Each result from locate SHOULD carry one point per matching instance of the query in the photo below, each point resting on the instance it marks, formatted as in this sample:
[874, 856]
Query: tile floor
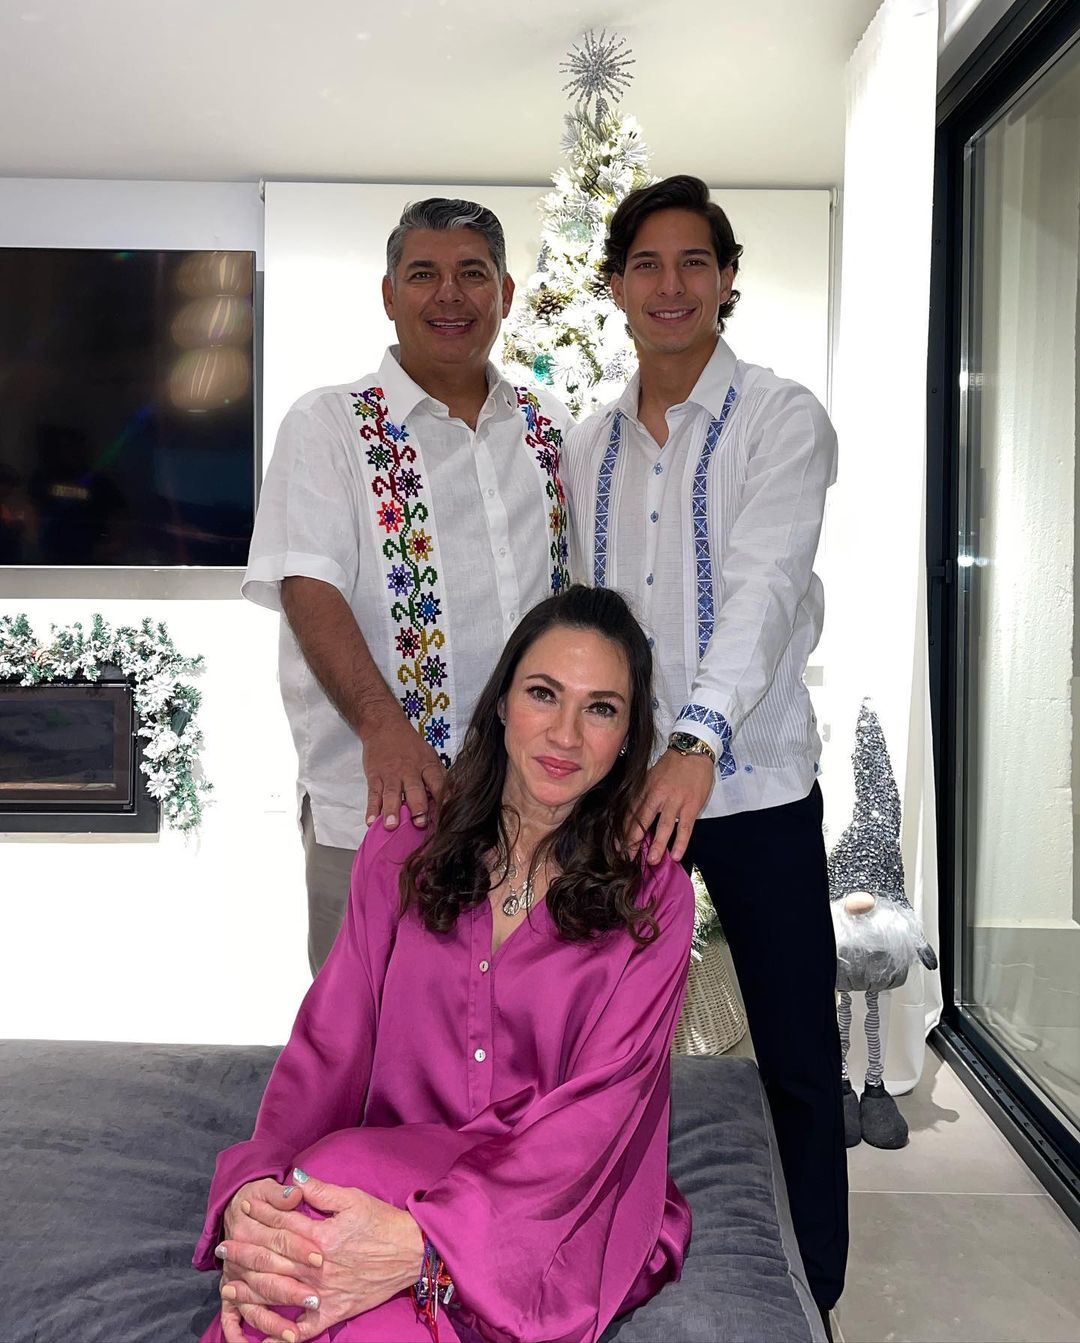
[952, 1239]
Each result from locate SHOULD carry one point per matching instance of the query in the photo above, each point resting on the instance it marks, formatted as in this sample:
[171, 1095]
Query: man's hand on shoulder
[676, 789]
[399, 764]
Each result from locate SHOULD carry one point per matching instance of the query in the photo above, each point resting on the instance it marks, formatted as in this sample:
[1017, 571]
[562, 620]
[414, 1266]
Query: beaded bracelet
[432, 1289]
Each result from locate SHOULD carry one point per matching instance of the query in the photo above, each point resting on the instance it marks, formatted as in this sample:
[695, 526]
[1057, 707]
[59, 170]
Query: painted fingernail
[221, 1252]
[229, 1293]
[245, 1206]
[315, 1259]
[300, 1176]
[288, 1336]
[312, 1302]
[286, 1190]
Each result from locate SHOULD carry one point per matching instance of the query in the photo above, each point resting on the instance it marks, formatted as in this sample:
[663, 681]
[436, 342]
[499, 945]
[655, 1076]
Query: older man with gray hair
[407, 521]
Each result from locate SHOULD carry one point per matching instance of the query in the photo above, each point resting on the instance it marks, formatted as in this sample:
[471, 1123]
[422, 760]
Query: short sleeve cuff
[712, 728]
[262, 581]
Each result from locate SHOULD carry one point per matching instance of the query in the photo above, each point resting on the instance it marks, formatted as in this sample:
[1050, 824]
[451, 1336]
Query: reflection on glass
[1021, 959]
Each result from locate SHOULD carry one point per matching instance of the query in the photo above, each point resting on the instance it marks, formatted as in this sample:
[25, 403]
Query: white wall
[135, 937]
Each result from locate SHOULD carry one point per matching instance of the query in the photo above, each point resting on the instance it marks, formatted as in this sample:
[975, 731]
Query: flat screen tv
[126, 407]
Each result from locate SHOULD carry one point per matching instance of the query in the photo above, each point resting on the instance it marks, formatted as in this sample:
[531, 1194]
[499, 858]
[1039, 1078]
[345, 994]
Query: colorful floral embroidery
[545, 440]
[412, 579]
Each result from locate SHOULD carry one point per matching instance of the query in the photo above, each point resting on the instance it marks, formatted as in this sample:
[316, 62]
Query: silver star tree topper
[599, 74]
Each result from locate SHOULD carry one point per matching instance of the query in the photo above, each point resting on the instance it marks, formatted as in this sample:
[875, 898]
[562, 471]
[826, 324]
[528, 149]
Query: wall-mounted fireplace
[69, 758]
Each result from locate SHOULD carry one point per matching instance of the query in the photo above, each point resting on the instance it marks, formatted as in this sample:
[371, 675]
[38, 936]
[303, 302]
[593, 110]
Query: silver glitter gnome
[878, 934]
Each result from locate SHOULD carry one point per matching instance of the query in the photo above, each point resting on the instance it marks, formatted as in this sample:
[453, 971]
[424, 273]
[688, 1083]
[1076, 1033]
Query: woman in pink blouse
[466, 1136]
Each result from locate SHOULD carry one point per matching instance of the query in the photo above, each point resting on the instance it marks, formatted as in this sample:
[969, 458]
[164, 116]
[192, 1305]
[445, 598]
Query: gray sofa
[106, 1149]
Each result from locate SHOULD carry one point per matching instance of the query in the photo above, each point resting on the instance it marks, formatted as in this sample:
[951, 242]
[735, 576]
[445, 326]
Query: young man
[699, 494]
[407, 521]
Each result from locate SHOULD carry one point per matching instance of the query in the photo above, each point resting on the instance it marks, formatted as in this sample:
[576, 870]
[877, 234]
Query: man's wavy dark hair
[599, 882]
[673, 193]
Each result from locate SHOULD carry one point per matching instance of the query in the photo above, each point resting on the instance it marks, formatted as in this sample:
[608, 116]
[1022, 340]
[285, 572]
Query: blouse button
[480, 1056]
[658, 470]
[483, 967]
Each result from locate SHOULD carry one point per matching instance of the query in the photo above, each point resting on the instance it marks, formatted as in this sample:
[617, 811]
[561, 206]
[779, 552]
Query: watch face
[683, 741]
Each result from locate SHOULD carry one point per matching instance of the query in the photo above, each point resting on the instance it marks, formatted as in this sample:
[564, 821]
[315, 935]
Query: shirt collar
[709, 391]
[403, 395]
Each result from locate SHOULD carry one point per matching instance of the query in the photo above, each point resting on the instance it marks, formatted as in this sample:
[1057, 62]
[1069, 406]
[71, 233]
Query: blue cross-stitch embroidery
[699, 512]
[603, 501]
[715, 722]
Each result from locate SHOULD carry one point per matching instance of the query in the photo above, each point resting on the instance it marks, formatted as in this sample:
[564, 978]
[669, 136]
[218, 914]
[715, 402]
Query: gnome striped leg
[873, 1039]
[880, 1119]
[844, 1021]
[852, 1121]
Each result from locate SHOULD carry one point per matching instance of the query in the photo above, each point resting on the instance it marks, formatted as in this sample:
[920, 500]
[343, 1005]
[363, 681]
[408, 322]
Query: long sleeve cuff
[252, 1160]
[711, 727]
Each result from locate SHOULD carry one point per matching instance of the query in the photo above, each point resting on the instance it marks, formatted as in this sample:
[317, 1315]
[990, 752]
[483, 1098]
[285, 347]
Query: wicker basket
[712, 1020]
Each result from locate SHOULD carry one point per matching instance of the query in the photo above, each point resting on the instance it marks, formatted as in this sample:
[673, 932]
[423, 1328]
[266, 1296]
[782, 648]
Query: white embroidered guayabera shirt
[712, 539]
[438, 537]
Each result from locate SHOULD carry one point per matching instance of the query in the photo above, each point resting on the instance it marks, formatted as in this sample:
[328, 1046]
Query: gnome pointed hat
[867, 855]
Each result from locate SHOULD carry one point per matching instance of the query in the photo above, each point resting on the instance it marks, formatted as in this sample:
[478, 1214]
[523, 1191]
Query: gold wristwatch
[687, 744]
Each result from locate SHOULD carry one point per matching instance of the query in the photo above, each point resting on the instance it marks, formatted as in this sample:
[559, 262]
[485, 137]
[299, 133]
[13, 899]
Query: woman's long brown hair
[598, 882]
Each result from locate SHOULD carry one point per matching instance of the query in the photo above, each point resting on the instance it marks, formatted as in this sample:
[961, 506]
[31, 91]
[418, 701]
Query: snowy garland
[165, 704]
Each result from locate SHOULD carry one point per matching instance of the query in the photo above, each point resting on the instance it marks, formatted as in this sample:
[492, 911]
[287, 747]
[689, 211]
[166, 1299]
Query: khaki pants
[328, 871]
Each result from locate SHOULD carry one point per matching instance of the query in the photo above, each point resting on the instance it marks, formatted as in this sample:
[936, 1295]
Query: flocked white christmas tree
[566, 332]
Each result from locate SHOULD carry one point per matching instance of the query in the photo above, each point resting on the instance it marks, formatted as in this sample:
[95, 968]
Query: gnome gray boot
[882, 1123]
[852, 1123]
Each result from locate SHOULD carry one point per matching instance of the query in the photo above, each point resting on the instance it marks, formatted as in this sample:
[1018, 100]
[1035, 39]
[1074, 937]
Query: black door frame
[1026, 38]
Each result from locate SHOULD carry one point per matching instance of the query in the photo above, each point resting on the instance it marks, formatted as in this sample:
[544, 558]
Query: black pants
[765, 871]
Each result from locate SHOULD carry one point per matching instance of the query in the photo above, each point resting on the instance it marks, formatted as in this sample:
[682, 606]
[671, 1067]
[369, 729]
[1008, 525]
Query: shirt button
[512, 617]
[655, 703]
[502, 552]
[654, 516]
[491, 494]
[652, 642]
[484, 967]
[658, 470]
[480, 1056]
[649, 579]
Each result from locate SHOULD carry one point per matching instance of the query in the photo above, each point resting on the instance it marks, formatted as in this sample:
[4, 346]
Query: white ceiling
[743, 94]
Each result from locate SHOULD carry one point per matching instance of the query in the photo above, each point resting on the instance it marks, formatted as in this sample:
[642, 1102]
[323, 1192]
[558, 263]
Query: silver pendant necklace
[520, 898]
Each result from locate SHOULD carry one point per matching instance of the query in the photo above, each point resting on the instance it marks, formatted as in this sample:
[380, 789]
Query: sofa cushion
[106, 1152]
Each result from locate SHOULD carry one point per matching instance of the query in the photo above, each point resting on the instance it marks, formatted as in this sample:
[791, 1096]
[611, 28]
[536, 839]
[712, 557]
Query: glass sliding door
[1019, 560]
[1016, 631]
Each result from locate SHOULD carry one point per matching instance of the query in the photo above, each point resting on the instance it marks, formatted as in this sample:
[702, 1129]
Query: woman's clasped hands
[362, 1253]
